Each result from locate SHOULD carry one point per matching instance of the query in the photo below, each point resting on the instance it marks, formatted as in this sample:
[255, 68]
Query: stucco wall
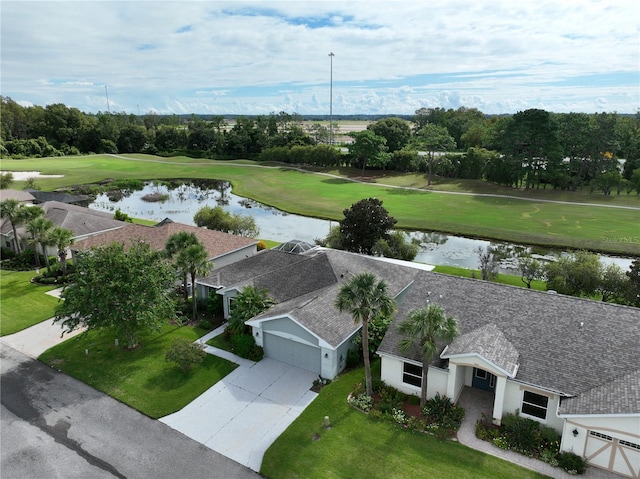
[391, 374]
[513, 402]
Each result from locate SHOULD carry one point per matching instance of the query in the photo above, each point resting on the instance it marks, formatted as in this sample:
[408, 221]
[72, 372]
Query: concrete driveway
[244, 413]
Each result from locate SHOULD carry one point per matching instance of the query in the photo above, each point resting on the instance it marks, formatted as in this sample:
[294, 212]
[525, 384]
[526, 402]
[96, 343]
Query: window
[412, 374]
[481, 373]
[534, 405]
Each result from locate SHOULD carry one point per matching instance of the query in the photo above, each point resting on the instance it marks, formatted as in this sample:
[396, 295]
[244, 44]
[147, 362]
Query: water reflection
[184, 199]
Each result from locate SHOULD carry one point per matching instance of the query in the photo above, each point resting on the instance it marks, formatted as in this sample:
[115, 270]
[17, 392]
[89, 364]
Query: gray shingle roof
[565, 344]
[490, 343]
[615, 396]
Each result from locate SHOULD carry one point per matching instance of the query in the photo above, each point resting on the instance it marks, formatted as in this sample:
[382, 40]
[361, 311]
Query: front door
[483, 380]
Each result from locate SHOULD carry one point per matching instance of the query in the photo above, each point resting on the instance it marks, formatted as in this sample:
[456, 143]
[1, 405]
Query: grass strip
[501, 278]
[141, 378]
[23, 303]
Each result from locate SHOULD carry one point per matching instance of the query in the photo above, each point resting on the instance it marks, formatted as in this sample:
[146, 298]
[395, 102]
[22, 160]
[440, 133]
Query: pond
[183, 200]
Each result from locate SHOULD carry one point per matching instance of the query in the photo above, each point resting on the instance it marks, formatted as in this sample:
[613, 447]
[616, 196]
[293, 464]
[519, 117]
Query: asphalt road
[53, 426]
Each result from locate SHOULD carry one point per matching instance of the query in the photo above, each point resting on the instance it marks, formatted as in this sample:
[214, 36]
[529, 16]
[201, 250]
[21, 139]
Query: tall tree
[367, 148]
[194, 260]
[432, 138]
[366, 222]
[62, 239]
[176, 243]
[427, 328]
[124, 291]
[365, 297]
[9, 209]
[394, 130]
[633, 286]
[577, 275]
[39, 230]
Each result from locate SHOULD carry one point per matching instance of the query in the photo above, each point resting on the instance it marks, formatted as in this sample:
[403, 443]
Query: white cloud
[239, 57]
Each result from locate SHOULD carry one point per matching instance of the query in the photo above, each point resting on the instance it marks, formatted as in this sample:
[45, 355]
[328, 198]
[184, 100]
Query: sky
[258, 57]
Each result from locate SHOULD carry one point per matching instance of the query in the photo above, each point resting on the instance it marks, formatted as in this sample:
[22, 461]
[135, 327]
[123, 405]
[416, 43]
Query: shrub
[204, 325]
[523, 434]
[572, 463]
[214, 303]
[6, 253]
[245, 346]
[399, 416]
[261, 245]
[185, 353]
[550, 456]
[361, 401]
[441, 411]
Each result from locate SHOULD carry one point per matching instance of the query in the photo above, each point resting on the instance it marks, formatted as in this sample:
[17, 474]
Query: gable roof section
[489, 343]
[555, 351]
[619, 394]
[215, 242]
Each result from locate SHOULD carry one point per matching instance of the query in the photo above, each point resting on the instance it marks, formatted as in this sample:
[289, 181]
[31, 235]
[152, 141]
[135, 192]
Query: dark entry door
[483, 380]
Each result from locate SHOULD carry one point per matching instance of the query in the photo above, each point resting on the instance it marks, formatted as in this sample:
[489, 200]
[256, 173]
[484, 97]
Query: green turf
[22, 303]
[141, 378]
[501, 278]
[357, 446]
[598, 228]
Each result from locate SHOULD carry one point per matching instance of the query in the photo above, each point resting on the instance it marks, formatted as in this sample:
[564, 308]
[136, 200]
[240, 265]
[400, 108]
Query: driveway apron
[244, 413]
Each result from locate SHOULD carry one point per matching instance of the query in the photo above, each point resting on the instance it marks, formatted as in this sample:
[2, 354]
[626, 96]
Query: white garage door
[292, 352]
[616, 455]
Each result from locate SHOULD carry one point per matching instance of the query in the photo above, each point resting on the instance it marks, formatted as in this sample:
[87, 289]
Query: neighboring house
[222, 248]
[304, 328]
[83, 222]
[44, 196]
[22, 196]
[569, 363]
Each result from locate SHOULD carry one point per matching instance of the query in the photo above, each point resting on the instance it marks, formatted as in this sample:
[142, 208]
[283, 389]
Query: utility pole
[331, 55]
[106, 92]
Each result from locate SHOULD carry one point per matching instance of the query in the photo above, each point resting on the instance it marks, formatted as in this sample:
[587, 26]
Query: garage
[613, 454]
[292, 352]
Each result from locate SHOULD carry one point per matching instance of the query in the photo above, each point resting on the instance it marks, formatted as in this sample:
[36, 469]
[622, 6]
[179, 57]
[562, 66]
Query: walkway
[475, 402]
[245, 412]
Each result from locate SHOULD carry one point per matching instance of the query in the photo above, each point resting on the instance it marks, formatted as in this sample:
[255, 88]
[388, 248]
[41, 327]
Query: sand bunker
[23, 175]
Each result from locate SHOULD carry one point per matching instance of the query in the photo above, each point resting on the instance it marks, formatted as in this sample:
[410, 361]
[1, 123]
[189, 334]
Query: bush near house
[245, 346]
[439, 416]
[530, 438]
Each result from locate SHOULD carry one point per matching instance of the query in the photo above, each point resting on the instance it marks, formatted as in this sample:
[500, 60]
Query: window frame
[533, 405]
[417, 378]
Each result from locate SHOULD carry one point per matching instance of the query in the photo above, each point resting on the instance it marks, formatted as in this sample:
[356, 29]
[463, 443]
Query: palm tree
[364, 297]
[61, 238]
[193, 259]
[176, 243]
[427, 327]
[39, 229]
[9, 208]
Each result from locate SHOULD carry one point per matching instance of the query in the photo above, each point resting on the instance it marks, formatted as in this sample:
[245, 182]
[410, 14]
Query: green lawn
[357, 446]
[23, 303]
[141, 378]
[597, 228]
[501, 278]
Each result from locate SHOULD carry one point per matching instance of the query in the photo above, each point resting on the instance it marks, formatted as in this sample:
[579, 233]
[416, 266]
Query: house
[222, 248]
[44, 196]
[83, 222]
[569, 363]
[304, 328]
[22, 196]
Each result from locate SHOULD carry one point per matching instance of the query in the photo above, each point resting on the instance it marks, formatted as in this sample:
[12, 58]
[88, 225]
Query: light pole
[331, 55]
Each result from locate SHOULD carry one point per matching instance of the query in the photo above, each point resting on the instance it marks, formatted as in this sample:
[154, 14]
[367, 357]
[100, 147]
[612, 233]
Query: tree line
[529, 149]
